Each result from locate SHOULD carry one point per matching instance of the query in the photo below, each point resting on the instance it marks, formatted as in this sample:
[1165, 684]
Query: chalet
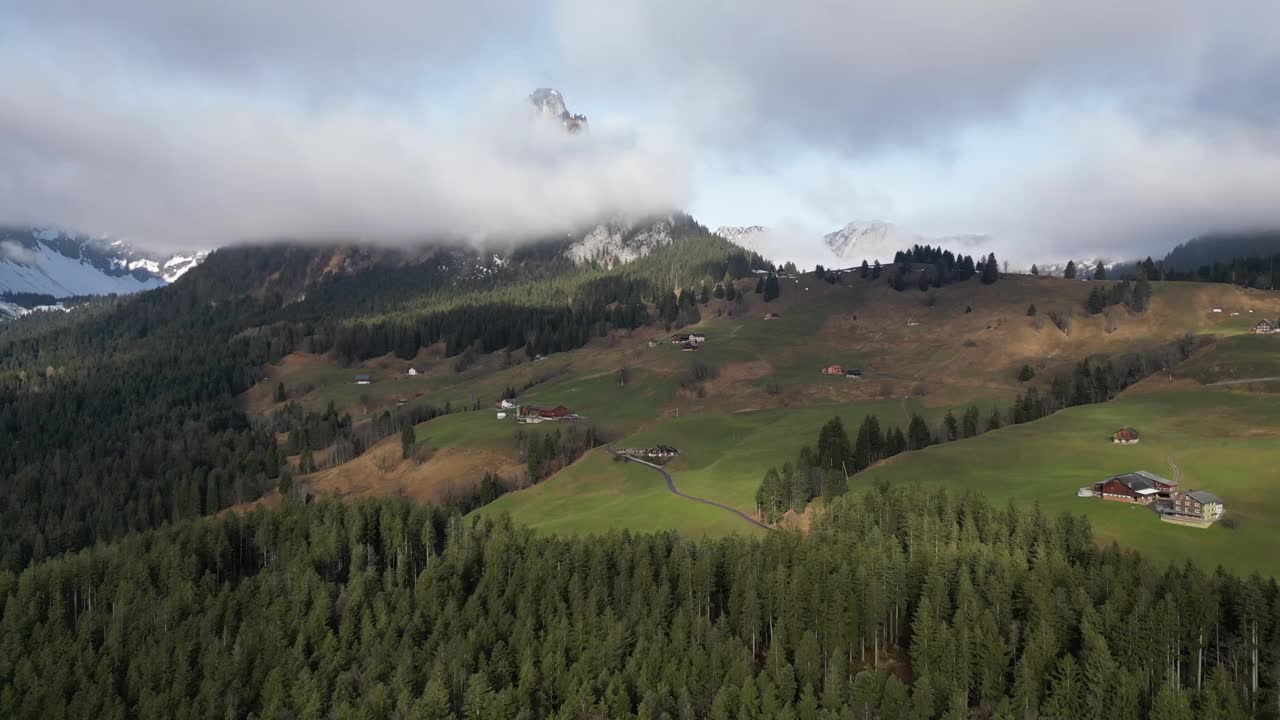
[833, 370]
[1264, 327]
[771, 316]
[690, 338]
[853, 373]
[541, 413]
[411, 372]
[654, 343]
[690, 347]
[1125, 436]
[1164, 486]
[506, 404]
[1130, 487]
[363, 379]
[1195, 506]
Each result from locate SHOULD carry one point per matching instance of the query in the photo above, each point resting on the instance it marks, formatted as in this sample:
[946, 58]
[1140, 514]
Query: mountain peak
[549, 103]
[875, 239]
[47, 261]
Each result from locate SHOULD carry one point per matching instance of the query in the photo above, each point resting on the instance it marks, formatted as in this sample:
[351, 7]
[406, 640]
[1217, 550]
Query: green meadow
[598, 494]
[1225, 442]
[723, 457]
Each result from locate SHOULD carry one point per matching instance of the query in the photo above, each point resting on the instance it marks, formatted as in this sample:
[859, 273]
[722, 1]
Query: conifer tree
[918, 435]
[1070, 271]
[771, 289]
[990, 270]
[969, 425]
[407, 438]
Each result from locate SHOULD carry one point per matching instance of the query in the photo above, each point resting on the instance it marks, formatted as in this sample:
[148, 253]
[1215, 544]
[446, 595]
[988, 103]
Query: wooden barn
[1125, 436]
[1130, 487]
[539, 413]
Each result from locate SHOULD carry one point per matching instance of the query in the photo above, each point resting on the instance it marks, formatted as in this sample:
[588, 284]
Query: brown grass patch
[381, 472]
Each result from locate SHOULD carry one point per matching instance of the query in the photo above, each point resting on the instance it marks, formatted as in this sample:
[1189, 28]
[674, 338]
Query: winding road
[671, 487]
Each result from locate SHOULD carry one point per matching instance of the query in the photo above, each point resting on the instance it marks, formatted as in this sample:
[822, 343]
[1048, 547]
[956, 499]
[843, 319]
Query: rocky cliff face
[616, 243]
[549, 103]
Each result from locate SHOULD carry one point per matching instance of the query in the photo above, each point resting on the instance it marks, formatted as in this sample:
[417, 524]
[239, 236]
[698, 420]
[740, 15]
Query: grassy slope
[597, 494]
[950, 358]
[1236, 358]
[1225, 442]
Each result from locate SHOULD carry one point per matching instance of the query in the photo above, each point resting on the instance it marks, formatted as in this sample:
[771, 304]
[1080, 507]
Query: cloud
[1130, 126]
[1106, 126]
[1127, 190]
[15, 252]
[305, 46]
[223, 167]
[866, 74]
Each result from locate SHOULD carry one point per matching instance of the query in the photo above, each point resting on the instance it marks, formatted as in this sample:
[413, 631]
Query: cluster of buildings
[688, 343]
[657, 452]
[851, 373]
[1195, 507]
[367, 379]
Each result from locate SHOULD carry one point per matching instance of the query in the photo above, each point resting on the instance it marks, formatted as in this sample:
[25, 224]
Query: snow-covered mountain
[1084, 267]
[872, 241]
[851, 244]
[749, 237]
[880, 240]
[9, 310]
[549, 103]
[616, 243]
[49, 262]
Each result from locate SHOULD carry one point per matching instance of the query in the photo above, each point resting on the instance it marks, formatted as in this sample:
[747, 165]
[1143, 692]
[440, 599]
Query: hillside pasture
[1221, 441]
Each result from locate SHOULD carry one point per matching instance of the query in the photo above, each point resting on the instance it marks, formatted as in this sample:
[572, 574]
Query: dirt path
[671, 487]
[1246, 381]
[1177, 471]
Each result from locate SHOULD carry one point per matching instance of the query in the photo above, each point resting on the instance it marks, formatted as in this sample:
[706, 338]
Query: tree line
[900, 604]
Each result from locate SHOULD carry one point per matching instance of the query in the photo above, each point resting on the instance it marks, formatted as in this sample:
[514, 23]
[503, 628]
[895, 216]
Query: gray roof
[1205, 497]
[1134, 481]
[1154, 478]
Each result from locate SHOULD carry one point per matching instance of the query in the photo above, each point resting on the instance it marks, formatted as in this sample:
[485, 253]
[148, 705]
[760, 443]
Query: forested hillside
[387, 610]
[123, 416]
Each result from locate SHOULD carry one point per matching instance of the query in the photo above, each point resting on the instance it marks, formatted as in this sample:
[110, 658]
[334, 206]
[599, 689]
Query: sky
[1059, 130]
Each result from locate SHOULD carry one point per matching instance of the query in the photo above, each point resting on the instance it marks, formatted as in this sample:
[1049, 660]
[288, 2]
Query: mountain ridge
[46, 261]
